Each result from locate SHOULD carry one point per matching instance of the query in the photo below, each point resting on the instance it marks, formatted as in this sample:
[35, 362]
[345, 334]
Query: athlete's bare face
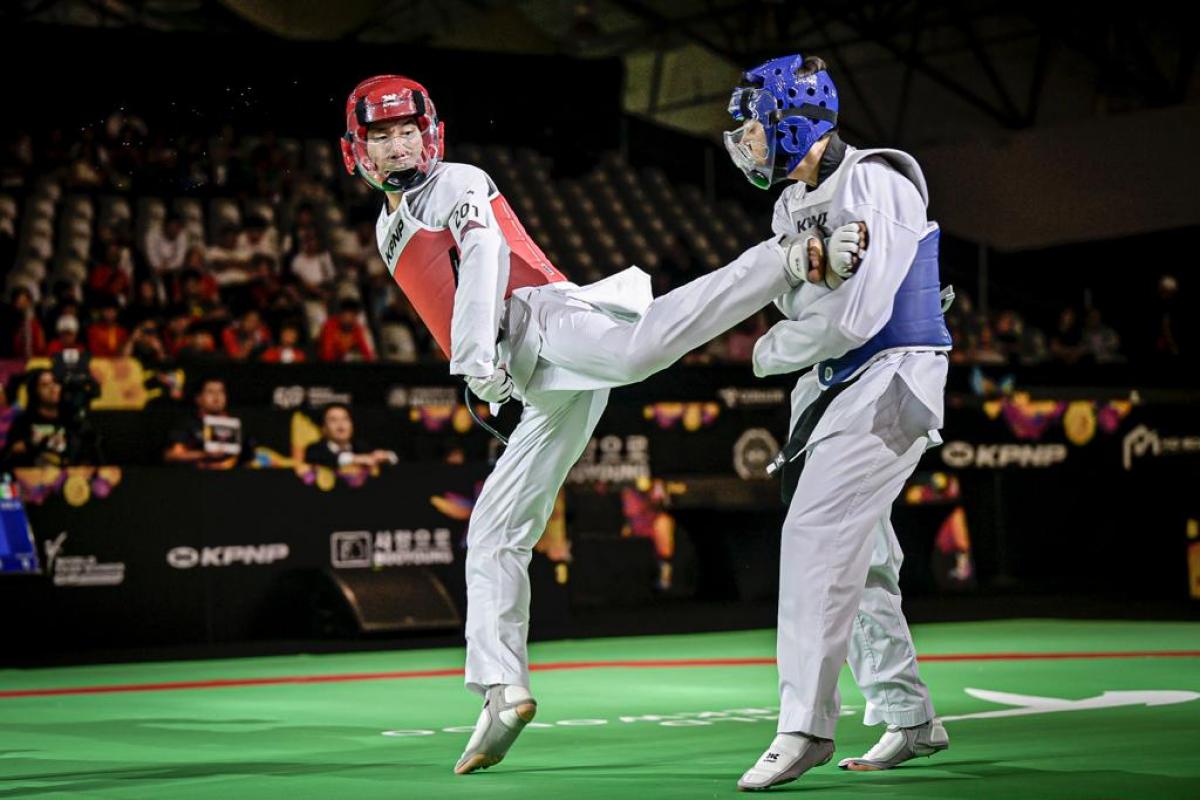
[394, 145]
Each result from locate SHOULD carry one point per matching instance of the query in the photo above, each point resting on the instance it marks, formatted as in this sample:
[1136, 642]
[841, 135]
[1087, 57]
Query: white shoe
[789, 756]
[506, 711]
[898, 745]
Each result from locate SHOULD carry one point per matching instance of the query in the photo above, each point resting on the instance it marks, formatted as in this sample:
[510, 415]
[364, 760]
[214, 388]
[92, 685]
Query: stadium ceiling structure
[1002, 101]
[911, 72]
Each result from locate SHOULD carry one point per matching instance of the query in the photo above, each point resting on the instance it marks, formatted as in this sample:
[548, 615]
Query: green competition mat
[1035, 709]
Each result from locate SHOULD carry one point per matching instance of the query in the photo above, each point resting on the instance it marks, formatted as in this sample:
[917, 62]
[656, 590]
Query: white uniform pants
[839, 566]
[583, 346]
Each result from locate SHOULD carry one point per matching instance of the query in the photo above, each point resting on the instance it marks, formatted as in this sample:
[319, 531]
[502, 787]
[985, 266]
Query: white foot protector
[898, 745]
[506, 710]
[788, 757]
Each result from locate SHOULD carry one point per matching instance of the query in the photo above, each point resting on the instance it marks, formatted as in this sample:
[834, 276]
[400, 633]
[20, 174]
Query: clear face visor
[395, 159]
[751, 147]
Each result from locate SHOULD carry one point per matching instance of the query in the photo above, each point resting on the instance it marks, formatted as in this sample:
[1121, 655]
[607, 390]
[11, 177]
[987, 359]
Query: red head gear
[390, 97]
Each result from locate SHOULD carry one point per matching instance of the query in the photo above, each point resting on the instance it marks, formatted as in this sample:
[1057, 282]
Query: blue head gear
[783, 116]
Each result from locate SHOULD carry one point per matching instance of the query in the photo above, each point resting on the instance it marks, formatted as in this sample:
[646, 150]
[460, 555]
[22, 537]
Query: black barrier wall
[1054, 491]
[172, 557]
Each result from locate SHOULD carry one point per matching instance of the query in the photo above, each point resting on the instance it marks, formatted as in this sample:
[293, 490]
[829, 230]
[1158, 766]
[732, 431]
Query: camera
[72, 369]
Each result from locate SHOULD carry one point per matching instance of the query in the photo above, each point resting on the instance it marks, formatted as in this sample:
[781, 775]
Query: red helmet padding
[388, 97]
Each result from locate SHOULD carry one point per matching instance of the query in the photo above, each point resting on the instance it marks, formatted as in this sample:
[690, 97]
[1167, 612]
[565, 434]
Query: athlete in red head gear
[512, 324]
[391, 98]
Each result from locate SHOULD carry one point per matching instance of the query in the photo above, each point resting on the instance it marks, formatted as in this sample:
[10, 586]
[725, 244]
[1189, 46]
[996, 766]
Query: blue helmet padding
[812, 101]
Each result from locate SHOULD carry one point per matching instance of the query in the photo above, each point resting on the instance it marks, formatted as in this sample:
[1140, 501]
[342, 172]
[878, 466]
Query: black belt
[790, 460]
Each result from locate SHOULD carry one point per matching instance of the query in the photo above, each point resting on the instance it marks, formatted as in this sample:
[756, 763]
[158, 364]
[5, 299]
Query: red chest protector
[424, 263]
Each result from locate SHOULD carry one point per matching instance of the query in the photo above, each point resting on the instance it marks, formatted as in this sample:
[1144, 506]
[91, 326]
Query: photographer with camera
[54, 431]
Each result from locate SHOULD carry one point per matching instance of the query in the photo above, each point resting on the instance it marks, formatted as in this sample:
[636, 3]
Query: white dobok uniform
[839, 596]
[565, 346]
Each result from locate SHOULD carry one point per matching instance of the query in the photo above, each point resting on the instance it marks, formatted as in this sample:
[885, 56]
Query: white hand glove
[844, 248]
[794, 250]
[496, 388]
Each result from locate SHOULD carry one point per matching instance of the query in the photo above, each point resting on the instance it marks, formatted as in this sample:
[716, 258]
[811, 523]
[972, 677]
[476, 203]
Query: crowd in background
[202, 272]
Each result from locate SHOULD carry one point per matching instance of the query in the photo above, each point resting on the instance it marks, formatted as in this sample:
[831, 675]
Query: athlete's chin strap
[471, 410]
[403, 180]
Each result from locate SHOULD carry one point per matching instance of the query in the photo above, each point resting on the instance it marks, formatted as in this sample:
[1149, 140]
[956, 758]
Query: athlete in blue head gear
[869, 322]
[784, 111]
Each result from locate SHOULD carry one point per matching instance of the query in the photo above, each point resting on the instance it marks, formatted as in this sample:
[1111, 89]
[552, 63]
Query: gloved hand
[803, 255]
[845, 248]
[496, 388]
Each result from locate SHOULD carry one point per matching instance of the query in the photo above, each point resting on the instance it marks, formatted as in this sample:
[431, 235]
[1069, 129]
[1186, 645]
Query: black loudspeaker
[389, 600]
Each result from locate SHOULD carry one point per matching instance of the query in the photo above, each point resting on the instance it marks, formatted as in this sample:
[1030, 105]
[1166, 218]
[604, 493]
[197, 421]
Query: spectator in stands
[258, 239]
[289, 350]
[1100, 342]
[1018, 342]
[65, 298]
[210, 438]
[166, 246]
[1172, 330]
[198, 343]
[267, 291]
[49, 433]
[85, 170]
[22, 331]
[200, 296]
[67, 340]
[147, 304]
[1067, 342]
[313, 264]
[106, 337]
[195, 259]
[108, 278]
[228, 264]
[398, 341]
[313, 269]
[359, 245]
[246, 338]
[118, 232]
[987, 350]
[175, 334]
[146, 344]
[303, 221]
[337, 446]
[344, 337]
[966, 328]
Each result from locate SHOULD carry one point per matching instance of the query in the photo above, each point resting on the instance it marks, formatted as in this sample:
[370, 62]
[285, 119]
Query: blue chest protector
[916, 321]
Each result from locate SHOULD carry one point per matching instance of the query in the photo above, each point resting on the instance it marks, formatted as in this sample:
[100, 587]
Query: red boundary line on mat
[224, 683]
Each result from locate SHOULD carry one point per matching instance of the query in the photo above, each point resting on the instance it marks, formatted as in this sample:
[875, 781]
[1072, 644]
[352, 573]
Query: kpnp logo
[999, 456]
[400, 548]
[227, 555]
